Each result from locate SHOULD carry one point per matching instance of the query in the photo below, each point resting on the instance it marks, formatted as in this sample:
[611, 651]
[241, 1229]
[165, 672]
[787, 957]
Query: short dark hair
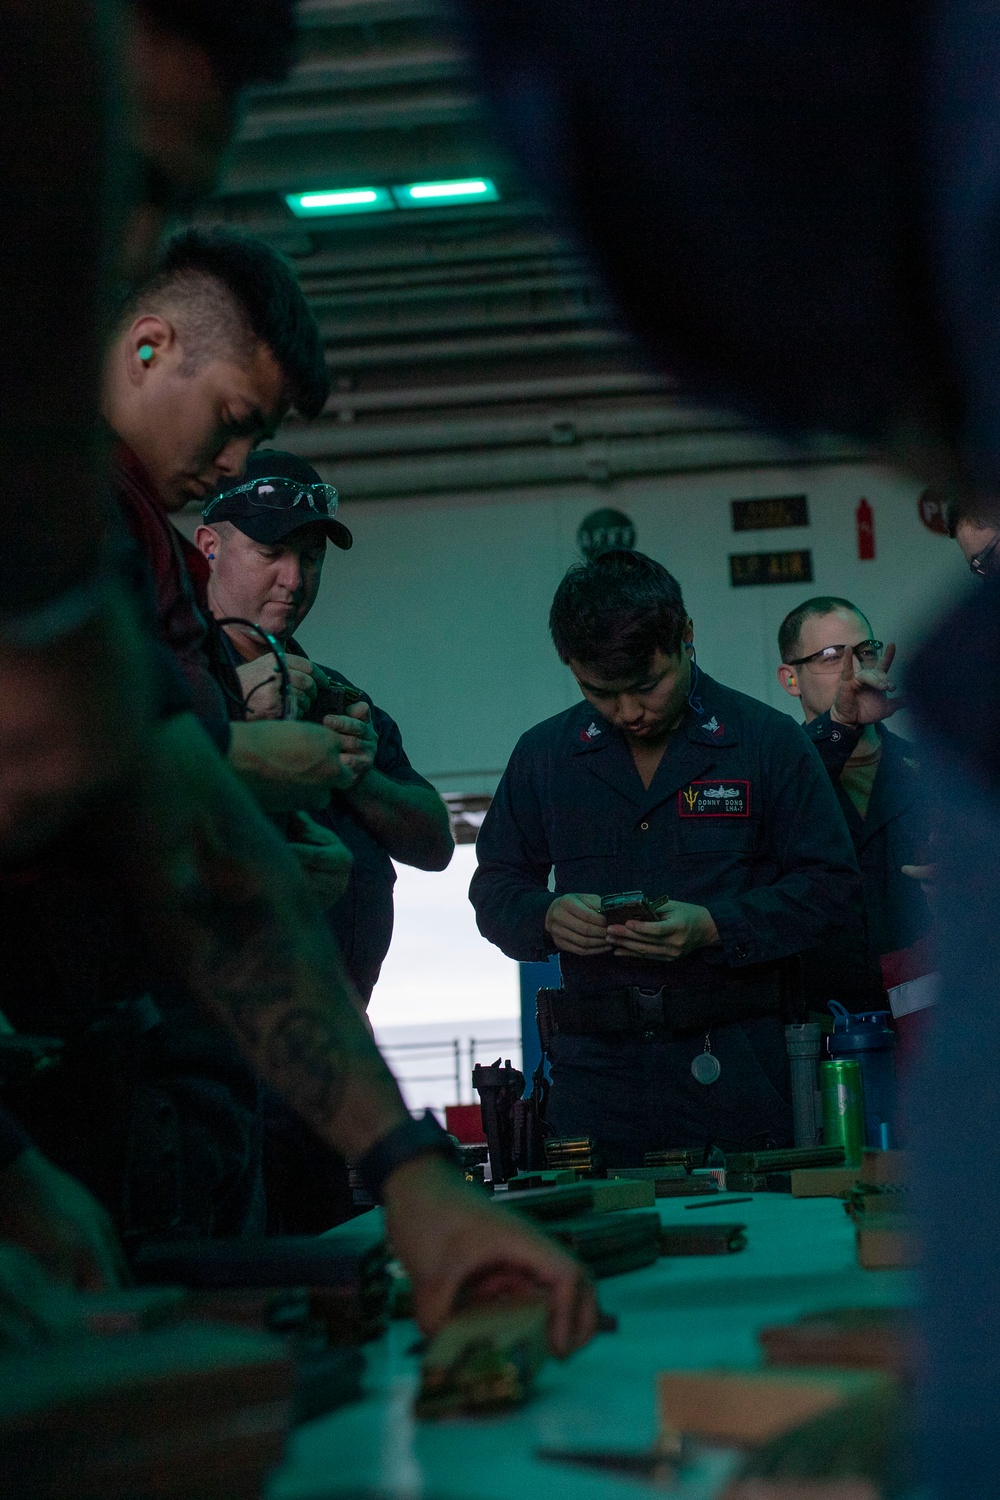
[251, 41]
[235, 289]
[790, 628]
[616, 611]
[975, 512]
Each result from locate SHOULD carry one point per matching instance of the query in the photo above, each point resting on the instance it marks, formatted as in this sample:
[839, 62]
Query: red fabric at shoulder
[179, 620]
[198, 570]
[145, 516]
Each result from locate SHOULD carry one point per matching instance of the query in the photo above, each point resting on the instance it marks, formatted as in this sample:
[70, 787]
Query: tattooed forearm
[254, 970]
[234, 911]
[306, 1051]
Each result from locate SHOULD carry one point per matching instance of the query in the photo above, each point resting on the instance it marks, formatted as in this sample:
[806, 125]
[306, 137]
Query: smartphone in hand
[629, 906]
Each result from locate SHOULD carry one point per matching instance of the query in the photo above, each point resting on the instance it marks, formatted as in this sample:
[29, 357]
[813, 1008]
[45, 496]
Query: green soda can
[843, 1107]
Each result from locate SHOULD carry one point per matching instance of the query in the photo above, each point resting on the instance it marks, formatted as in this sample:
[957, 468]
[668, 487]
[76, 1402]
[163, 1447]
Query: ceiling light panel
[322, 204]
[461, 190]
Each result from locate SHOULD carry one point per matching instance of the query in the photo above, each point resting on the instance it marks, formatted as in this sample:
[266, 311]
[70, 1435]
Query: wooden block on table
[861, 1450]
[885, 1242]
[185, 1413]
[750, 1407]
[885, 1168]
[621, 1192]
[843, 1338]
[823, 1182]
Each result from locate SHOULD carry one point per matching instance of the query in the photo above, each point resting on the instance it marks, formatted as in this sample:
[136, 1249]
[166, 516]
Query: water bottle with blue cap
[867, 1037]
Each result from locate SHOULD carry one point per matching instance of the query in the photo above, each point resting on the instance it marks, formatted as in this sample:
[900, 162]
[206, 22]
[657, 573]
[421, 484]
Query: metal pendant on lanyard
[706, 1066]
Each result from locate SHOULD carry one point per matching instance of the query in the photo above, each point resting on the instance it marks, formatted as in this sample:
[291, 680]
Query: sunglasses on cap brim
[277, 493]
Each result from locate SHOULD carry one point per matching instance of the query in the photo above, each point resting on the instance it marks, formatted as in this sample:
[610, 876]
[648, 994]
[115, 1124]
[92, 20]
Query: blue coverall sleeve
[510, 889]
[818, 889]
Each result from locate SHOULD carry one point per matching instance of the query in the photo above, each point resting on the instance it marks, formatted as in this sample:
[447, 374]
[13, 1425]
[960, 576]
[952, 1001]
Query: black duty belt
[637, 1011]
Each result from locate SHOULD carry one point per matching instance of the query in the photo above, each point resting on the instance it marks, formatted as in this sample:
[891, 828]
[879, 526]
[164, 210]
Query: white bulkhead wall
[440, 610]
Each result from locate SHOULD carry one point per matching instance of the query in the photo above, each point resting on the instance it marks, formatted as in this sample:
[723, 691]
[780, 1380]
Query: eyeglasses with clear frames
[830, 658]
[984, 563]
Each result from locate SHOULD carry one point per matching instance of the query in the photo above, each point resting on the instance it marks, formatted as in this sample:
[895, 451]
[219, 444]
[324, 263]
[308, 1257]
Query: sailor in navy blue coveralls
[740, 817]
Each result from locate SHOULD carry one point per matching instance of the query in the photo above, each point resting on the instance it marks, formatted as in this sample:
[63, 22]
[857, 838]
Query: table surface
[685, 1312]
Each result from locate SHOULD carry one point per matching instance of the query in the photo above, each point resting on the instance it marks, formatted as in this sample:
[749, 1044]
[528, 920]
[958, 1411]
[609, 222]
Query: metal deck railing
[454, 1056]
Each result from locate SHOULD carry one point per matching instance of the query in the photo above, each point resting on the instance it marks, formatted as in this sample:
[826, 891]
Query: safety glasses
[281, 494]
[831, 657]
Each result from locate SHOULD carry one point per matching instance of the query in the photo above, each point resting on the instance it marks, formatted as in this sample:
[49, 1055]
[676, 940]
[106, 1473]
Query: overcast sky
[439, 968]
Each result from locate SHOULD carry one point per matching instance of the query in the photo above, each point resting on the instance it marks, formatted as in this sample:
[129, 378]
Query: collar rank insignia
[590, 733]
[714, 728]
[714, 799]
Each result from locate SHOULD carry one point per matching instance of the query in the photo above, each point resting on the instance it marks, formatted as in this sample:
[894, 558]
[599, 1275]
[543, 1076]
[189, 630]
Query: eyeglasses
[980, 563]
[830, 658]
[281, 494]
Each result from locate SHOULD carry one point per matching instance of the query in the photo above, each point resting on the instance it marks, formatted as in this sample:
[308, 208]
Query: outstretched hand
[455, 1246]
[33, 1307]
[863, 692]
[45, 1211]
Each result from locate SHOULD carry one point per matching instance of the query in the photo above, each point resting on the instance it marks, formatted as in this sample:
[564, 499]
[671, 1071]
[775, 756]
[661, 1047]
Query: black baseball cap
[279, 493]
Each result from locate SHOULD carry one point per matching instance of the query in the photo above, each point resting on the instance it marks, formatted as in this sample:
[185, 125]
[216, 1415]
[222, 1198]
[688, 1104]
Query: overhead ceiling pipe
[597, 463]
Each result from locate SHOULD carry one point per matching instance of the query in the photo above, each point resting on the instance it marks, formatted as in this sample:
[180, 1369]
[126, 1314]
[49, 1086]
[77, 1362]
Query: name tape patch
[714, 799]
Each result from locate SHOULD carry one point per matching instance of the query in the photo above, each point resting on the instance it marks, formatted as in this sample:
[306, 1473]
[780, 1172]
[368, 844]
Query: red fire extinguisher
[865, 520]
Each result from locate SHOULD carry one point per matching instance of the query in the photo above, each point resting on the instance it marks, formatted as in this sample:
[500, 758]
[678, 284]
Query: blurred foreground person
[76, 705]
[79, 677]
[78, 721]
[811, 237]
[74, 709]
[186, 63]
[214, 891]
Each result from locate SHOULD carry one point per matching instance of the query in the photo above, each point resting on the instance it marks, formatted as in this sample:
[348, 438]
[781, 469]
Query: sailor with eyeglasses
[832, 663]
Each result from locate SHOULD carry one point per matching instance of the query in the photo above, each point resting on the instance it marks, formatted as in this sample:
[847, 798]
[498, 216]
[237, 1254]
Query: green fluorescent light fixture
[362, 200]
[465, 190]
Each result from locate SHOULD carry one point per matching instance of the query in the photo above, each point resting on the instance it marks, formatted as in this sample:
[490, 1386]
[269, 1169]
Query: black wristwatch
[404, 1142]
